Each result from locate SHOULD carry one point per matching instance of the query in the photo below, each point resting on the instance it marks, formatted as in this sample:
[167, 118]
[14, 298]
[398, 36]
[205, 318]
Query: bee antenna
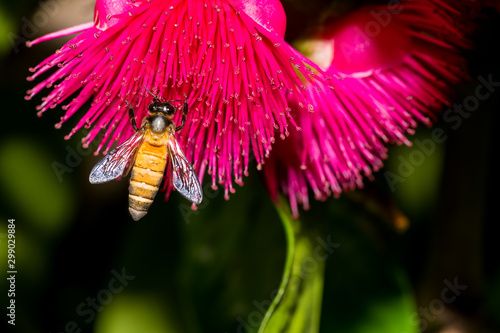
[155, 97]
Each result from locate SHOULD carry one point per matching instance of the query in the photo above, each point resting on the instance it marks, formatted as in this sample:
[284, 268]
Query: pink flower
[228, 56]
[398, 66]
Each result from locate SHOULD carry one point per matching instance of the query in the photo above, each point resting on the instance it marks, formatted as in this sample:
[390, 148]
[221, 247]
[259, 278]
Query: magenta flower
[398, 66]
[228, 56]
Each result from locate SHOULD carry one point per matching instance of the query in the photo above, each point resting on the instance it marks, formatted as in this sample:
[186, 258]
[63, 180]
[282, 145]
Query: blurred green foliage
[420, 190]
[6, 26]
[138, 313]
[27, 176]
[219, 269]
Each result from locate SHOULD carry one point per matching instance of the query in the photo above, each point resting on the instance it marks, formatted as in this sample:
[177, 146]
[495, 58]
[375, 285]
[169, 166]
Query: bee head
[158, 106]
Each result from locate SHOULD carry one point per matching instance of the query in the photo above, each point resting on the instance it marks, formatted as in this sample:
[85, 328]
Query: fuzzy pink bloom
[397, 69]
[228, 56]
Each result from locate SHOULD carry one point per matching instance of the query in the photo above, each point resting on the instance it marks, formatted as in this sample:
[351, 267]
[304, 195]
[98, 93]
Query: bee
[145, 153]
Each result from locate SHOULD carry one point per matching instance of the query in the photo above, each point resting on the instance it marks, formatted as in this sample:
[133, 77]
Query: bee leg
[131, 115]
[184, 114]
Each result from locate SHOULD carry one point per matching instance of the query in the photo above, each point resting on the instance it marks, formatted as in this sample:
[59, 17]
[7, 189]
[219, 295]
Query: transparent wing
[117, 161]
[182, 175]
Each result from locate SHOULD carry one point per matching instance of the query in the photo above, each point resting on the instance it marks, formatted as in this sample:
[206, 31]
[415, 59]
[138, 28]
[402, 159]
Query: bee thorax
[158, 124]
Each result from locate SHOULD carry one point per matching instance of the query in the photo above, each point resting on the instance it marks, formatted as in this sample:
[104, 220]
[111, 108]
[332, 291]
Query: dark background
[210, 270]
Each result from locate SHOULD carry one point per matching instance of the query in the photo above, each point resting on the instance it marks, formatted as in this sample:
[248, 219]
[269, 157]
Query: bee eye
[170, 110]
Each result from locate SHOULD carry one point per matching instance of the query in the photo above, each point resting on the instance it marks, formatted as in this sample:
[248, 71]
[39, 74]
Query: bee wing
[182, 174]
[115, 162]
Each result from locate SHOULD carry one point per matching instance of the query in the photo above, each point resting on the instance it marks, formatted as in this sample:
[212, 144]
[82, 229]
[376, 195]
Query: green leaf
[297, 305]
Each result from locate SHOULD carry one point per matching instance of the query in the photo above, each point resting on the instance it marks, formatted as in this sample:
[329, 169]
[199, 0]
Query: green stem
[297, 305]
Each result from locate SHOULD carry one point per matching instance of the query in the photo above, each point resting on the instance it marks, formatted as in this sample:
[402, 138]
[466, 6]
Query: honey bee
[145, 153]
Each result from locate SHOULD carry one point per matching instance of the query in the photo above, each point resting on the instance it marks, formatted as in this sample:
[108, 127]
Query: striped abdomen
[146, 178]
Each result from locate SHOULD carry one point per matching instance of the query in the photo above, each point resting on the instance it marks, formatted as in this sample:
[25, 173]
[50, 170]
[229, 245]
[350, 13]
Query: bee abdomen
[146, 178]
[138, 206]
[143, 190]
[150, 160]
[144, 185]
